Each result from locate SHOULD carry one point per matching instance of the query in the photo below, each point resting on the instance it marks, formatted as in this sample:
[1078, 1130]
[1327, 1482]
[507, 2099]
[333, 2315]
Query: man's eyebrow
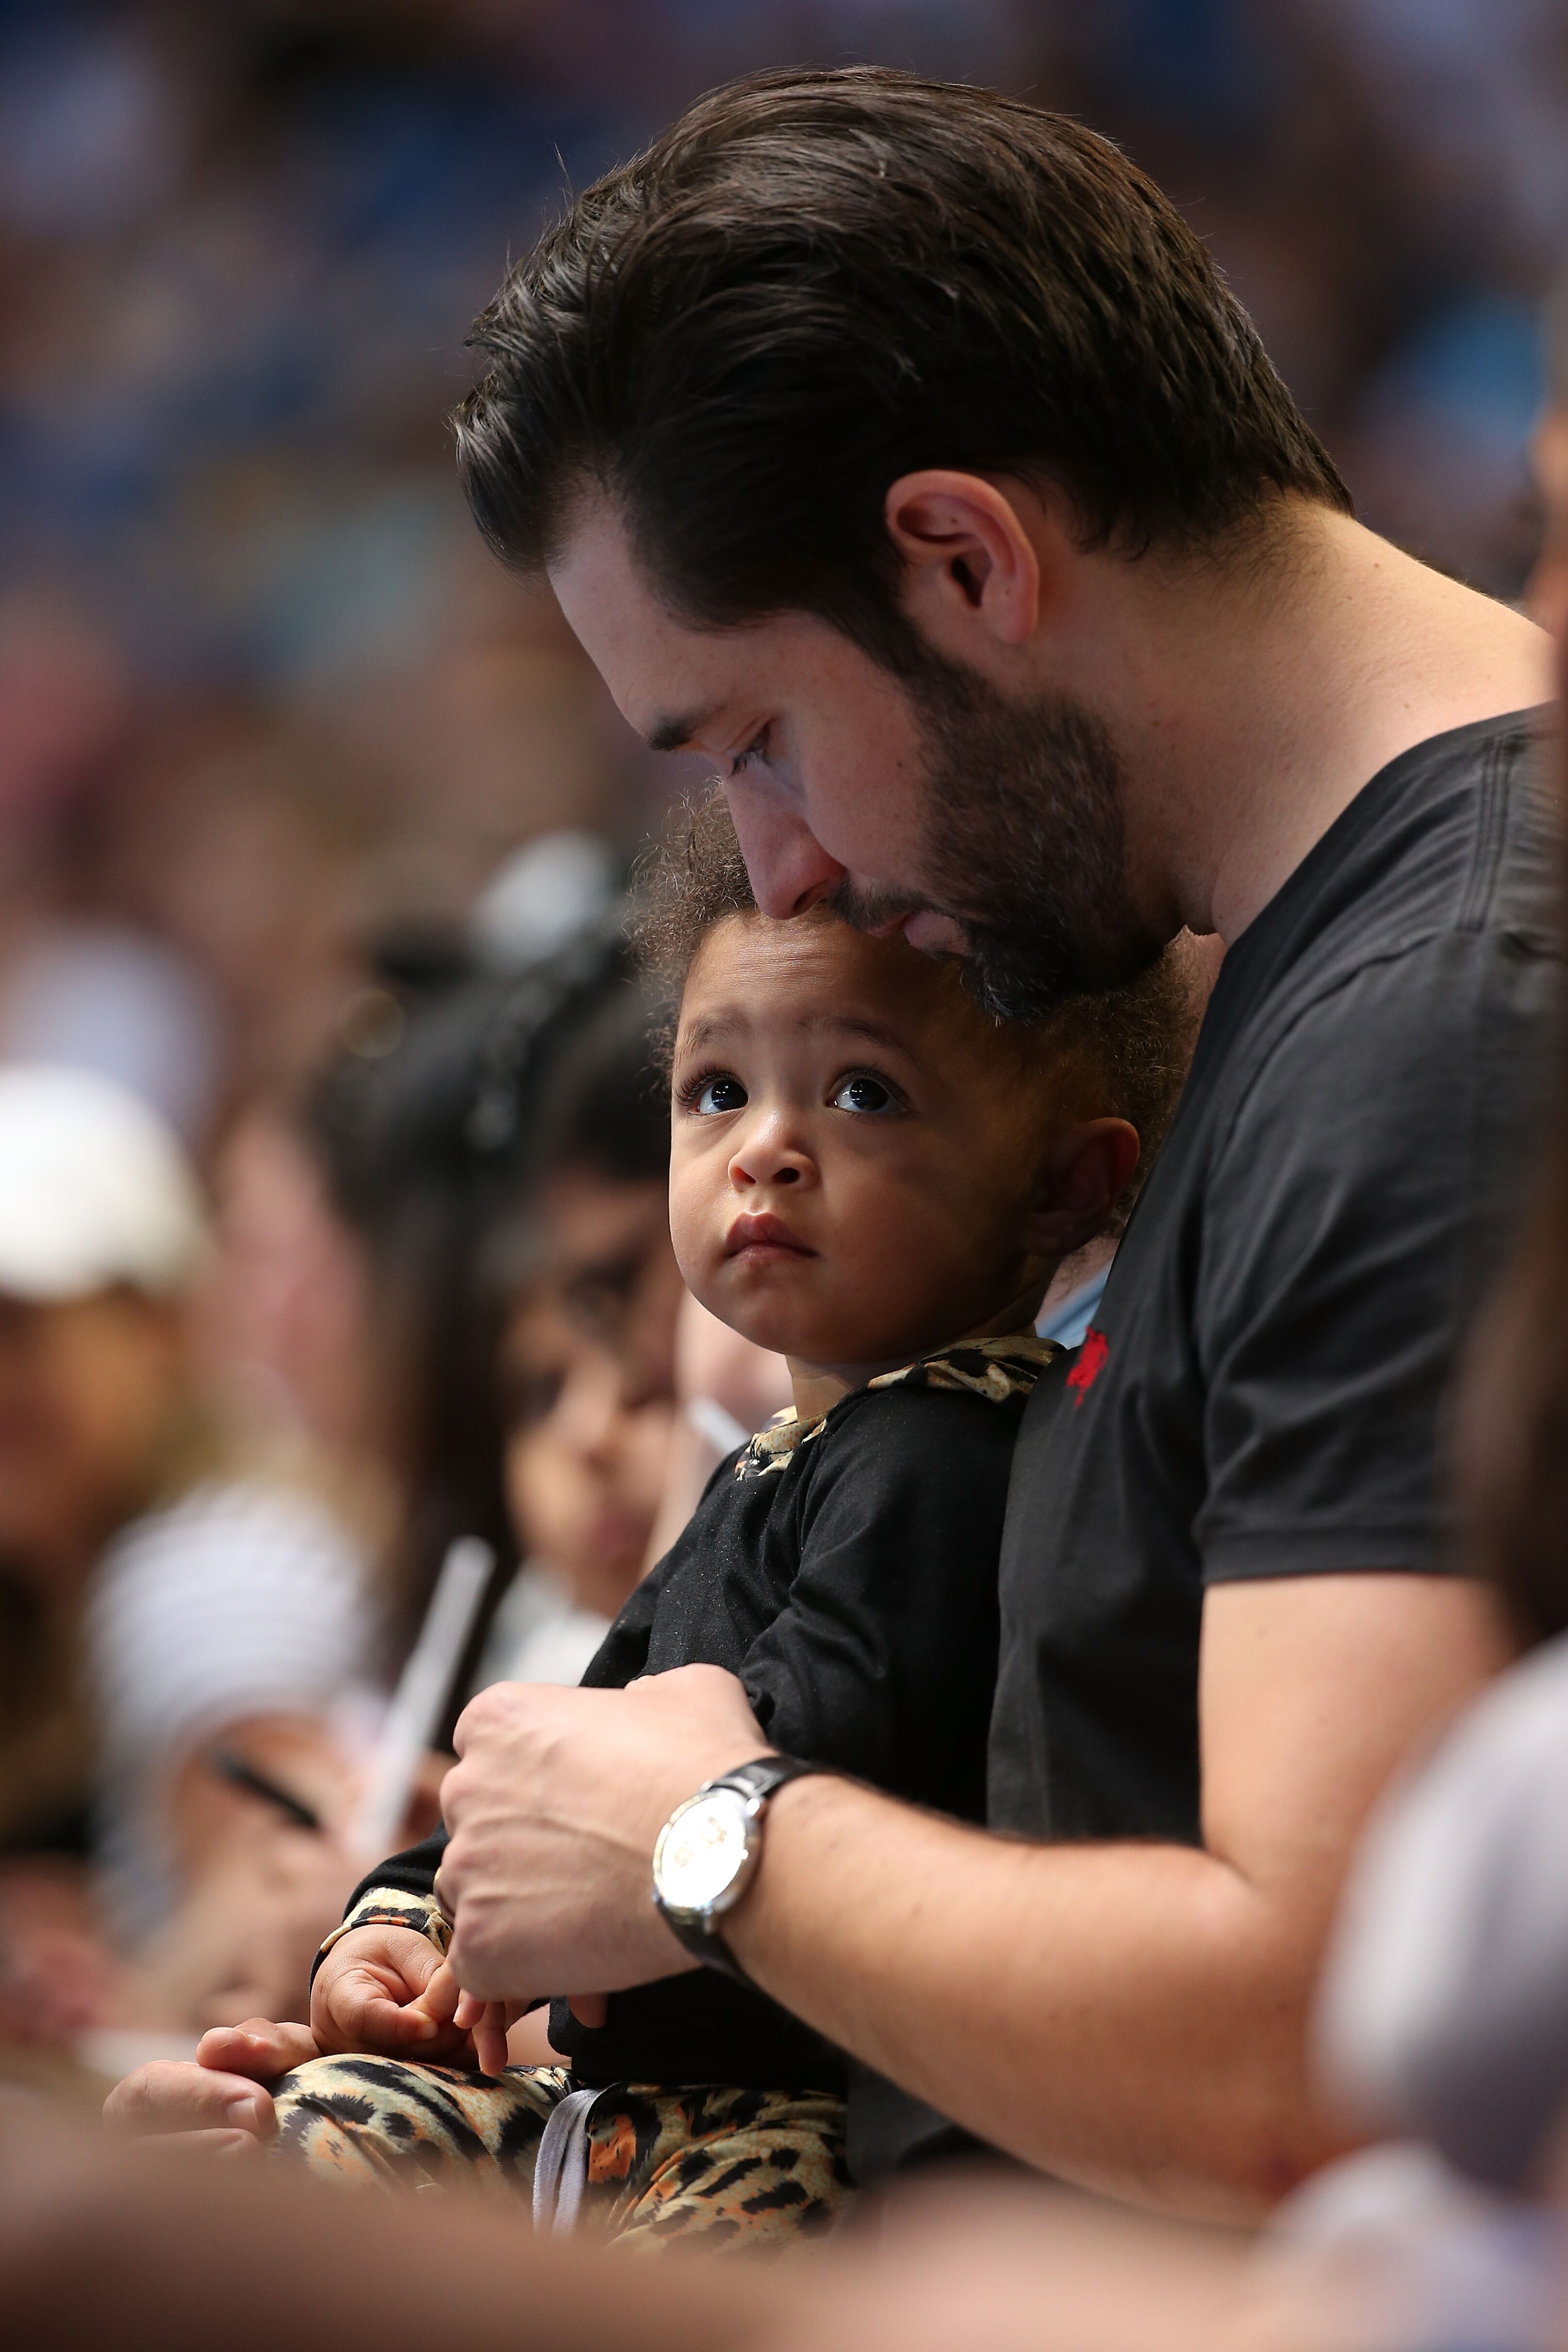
[672, 734]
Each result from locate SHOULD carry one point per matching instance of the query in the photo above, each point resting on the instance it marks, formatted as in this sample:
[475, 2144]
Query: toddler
[873, 1177]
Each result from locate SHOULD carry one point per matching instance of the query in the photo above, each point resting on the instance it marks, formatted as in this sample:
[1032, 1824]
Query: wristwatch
[708, 1850]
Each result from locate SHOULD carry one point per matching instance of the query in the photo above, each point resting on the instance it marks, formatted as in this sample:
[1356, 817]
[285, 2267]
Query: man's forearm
[1126, 2017]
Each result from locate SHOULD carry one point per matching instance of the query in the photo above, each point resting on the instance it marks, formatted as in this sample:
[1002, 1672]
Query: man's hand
[374, 1992]
[554, 1810]
[217, 2105]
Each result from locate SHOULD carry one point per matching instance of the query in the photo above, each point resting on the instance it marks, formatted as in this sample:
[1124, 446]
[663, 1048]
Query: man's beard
[1025, 845]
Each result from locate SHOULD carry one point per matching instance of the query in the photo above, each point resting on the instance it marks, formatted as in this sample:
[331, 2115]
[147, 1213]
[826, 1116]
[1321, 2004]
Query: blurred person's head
[584, 1471]
[588, 1356]
[603, 1206]
[475, 1120]
[771, 405]
[101, 1236]
[286, 1309]
[865, 1163]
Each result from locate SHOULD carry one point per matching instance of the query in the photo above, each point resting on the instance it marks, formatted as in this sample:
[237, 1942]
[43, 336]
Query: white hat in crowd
[95, 1190]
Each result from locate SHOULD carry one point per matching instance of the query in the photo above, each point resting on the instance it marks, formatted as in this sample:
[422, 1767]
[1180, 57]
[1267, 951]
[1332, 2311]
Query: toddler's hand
[369, 1995]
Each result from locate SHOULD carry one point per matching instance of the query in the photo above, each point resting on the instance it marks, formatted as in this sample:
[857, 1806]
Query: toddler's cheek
[697, 1231]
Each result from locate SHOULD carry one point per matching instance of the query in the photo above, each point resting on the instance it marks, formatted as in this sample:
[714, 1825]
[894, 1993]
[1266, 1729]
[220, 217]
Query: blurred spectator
[263, 696]
[426, 1130]
[160, 1589]
[540, 896]
[588, 1352]
[372, 1255]
[100, 996]
[449, 1276]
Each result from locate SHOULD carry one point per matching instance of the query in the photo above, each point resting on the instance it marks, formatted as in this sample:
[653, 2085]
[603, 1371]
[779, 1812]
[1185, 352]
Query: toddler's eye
[863, 1093]
[717, 1094]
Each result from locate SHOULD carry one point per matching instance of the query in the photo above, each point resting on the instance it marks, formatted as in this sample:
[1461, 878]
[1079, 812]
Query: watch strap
[763, 1775]
[756, 1781]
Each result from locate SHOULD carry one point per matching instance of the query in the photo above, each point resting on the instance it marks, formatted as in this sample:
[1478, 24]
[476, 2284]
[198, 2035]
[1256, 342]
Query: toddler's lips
[762, 1239]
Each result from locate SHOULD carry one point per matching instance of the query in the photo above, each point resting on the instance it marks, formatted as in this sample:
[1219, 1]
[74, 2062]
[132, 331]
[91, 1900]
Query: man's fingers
[589, 2007]
[711, 1687]
[168, 2097]
[548, 1775]
[476, 1716]
[490, 2038]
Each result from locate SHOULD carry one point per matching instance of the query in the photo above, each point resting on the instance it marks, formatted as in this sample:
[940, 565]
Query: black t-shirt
[852, 1586]
[1263, 1394]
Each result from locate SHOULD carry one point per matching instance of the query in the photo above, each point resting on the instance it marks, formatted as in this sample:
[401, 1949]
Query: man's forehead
[668, 679]
[676, 681]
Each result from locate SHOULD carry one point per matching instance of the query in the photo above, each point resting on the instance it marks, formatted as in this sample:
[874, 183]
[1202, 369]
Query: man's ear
[972, 551]
[1089, 1170]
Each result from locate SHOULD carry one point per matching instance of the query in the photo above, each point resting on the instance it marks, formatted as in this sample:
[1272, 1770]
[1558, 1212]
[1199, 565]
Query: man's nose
[788, 866]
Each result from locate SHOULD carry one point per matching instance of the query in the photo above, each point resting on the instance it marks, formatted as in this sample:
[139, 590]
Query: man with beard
[900, 448]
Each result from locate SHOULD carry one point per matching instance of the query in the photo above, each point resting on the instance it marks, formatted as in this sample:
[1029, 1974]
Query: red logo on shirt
[1092, 1355]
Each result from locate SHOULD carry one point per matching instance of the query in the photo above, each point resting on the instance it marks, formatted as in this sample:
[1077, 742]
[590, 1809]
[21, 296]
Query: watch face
[701, 1852]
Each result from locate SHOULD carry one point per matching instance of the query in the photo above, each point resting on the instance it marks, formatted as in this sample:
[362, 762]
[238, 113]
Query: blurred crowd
[269, 718]
[314, 836]
[433, 1306]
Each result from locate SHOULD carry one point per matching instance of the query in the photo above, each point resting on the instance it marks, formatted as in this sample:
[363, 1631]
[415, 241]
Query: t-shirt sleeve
[1349, 1229]
[882, 1662]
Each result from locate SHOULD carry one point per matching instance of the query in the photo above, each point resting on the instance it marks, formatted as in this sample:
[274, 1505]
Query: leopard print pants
[729, 2165]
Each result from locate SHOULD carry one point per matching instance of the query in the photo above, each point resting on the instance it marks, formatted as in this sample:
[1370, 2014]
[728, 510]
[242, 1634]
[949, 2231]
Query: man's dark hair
[814, 282]
[1120, 1054]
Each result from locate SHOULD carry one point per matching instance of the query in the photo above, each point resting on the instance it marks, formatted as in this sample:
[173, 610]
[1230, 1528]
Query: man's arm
[1128, 2017]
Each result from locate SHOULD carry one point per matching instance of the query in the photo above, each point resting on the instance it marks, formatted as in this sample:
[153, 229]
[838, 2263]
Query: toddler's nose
[768, 1156]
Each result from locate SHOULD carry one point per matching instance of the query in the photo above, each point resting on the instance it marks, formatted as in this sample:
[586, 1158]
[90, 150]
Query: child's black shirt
[848, 1575]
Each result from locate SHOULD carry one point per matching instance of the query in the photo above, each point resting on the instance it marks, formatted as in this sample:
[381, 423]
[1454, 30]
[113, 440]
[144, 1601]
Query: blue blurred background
[267, 713]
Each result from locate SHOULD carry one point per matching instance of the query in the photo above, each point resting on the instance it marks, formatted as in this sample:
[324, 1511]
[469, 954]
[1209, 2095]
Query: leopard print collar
[993, 1369]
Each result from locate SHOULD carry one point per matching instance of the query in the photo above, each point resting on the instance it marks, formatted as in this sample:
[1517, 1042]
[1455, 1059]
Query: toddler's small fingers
[369, 2021]
[440, 1997]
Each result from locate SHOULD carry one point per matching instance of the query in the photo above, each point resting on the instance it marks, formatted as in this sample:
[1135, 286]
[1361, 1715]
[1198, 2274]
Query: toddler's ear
[1088, 1168]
